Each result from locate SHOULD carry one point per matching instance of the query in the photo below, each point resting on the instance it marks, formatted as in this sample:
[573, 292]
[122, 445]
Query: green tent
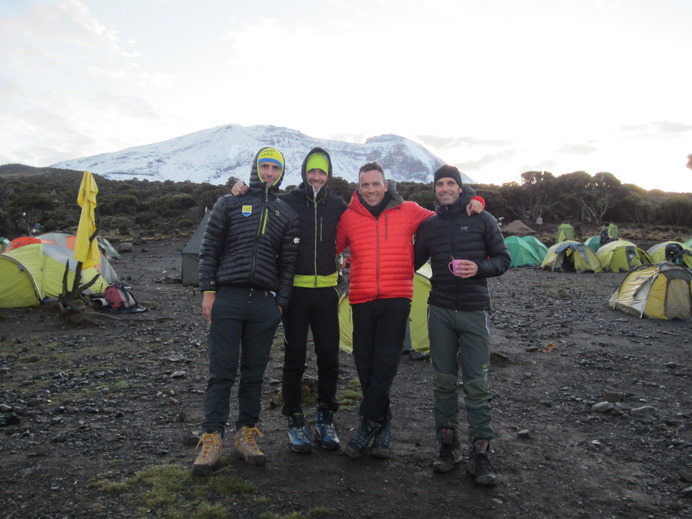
[522, 254]
[593, 243]
[571, 256]
[190, 254]
[622, 256]
[565, 232]
[418, 318]
[537, 245]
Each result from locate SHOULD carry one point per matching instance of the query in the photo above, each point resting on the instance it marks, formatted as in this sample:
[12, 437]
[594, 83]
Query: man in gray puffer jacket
[246, 269]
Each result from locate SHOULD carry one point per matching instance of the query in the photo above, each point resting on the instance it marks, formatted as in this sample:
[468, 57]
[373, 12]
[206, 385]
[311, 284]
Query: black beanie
[448, 171]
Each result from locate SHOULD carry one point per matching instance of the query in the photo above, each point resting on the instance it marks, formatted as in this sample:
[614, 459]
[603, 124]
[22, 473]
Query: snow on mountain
[215, 154]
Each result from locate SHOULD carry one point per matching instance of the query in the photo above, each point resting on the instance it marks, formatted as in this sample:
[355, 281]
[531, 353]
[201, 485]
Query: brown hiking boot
[210, 457]
[450, 452]
[246, 448]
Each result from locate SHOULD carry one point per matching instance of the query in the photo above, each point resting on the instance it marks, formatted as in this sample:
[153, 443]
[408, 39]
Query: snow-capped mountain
[215, 154]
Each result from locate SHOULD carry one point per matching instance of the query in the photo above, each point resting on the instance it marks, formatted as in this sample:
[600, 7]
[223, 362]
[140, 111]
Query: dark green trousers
[460, 338]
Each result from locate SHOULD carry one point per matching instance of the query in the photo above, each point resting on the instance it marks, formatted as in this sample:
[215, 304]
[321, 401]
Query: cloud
[444, 142]
[665, 129]
[578, 149]
[71, 84]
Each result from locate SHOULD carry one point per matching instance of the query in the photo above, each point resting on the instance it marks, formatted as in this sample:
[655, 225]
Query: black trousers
[240, 339]
[316, 309]
[379, 328]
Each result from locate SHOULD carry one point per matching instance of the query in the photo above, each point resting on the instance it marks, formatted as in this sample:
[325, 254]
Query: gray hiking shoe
[450, 452]
[479, 466]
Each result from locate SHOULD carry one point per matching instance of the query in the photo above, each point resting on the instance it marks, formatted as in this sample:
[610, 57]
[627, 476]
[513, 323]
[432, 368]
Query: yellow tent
[571, 256]
[661, 291]
[418, 318]
[32, 273]
[622, 256]
[682, 253]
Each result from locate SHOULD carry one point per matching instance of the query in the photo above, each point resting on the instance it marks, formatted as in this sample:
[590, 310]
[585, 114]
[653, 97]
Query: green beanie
[317, 161]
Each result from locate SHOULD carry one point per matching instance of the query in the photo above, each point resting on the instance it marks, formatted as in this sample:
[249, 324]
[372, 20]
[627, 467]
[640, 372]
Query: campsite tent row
[32, 271]
[616, 256]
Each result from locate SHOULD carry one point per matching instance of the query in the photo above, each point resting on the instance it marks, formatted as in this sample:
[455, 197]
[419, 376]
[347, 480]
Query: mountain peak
[214, 154]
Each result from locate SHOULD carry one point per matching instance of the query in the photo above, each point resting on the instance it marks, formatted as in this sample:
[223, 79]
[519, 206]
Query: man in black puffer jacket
[465, 251]
[314, 303]
[246, 269]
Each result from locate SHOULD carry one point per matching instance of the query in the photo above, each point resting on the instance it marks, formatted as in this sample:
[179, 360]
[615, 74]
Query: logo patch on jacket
[246, 210]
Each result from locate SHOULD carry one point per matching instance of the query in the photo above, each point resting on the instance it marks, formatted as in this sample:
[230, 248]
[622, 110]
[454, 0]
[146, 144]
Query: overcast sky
[496, 87]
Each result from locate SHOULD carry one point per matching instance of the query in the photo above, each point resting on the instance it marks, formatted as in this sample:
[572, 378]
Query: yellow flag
[87, 253]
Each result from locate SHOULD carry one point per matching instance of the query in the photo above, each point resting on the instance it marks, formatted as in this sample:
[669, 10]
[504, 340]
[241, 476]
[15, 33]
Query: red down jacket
[381, 249]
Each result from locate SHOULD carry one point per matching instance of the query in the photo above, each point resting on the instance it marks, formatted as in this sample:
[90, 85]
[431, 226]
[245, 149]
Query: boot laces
[483, 465]
[209, 442]
[251, 432]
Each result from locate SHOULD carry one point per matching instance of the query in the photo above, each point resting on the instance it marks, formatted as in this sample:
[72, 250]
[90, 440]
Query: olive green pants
[460, 338]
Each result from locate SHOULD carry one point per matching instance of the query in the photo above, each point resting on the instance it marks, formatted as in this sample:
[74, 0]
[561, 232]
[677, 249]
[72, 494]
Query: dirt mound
[592, 413]
[518, 228]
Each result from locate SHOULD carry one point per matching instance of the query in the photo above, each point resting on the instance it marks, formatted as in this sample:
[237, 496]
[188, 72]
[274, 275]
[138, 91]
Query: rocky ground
[592, 412]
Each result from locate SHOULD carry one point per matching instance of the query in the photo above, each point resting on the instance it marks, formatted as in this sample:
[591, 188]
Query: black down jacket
[251, 241]
[318, 215]
[451, 233]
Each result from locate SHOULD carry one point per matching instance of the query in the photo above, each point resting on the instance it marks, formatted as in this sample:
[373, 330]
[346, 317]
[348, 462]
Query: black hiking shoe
[381, 443]
[479, 466]
[450, 452]
[355, 449]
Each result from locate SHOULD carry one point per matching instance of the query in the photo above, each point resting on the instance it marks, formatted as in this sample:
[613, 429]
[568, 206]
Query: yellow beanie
[317, 161]
[271, 155]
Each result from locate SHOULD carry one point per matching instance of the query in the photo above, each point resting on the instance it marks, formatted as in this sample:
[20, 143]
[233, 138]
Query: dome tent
[660, 291]
[682, 253]
[571, 256]
[622, 256]
[522, 254]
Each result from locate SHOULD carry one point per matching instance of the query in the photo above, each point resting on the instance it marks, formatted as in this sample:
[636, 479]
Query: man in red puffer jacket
[379, 227]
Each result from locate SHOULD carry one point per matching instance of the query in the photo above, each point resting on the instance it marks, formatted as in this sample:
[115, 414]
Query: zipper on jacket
[260, 230]
[315, 242]
[377, 257]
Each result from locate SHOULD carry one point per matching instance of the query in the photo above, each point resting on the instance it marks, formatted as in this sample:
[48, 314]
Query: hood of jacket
[304, 188]
[257, 187]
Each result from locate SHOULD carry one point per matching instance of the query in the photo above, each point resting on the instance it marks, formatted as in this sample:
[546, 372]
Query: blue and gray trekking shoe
[298, 434]
[325, 432]
[355, 449]
[382, 441]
